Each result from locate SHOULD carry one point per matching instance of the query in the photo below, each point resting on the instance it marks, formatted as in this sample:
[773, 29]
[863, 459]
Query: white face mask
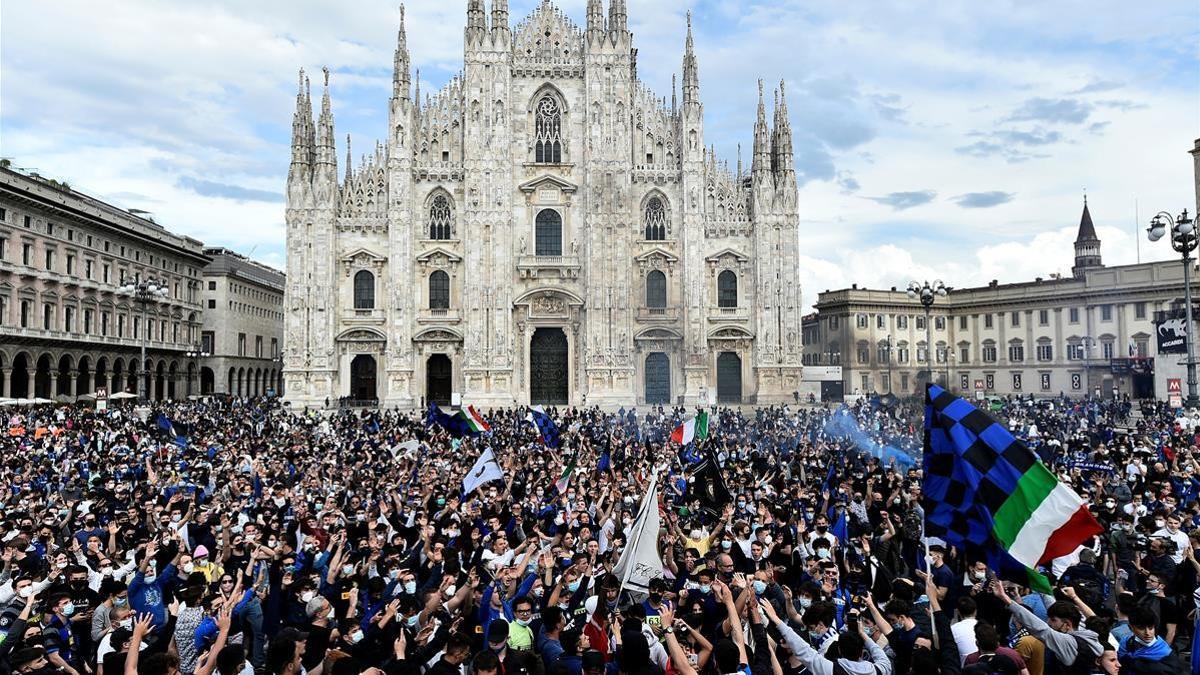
[355, 637]
[306, 596]
[25, 592]
[189, 568]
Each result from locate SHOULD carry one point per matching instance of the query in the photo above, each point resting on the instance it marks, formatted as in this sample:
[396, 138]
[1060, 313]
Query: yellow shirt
[519, 637]
[700, 545]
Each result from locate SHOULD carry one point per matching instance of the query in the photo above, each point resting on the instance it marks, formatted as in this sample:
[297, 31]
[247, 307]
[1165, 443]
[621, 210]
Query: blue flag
[605, 462]
[177, 432]
[840, 528]
[545, 426]
[455, 425]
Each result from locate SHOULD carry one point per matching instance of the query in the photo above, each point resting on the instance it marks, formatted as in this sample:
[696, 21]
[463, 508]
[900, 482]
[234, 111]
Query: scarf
[1133, 648]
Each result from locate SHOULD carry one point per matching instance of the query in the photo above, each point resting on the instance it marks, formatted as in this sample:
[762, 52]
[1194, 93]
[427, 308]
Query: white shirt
[1181, 543]
[964, 637]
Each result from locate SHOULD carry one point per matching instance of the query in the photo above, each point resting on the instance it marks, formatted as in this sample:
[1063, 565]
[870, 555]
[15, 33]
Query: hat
[590, 605]
[27, 655]
[497, 631]
[200, 552]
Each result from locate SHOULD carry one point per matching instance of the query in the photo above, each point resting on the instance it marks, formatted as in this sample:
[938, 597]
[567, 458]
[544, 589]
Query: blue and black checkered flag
[988, 494]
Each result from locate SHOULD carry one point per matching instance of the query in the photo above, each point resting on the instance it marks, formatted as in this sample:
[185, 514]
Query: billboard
[1172, 335]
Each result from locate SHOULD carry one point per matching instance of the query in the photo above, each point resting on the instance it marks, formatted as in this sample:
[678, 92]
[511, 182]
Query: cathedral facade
[543, 229]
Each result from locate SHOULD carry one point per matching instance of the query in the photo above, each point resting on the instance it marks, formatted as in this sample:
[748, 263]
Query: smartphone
[852, 622]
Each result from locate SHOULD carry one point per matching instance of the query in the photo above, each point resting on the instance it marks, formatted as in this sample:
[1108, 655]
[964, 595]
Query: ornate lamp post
[927, 293]
[143, 292]
[1183, 240]
[195, 354]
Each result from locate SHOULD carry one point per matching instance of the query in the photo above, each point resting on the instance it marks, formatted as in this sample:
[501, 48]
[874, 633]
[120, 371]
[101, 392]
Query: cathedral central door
[362, 378]
[548, 367]
[438, 379]
[658, 378]
[729, 378]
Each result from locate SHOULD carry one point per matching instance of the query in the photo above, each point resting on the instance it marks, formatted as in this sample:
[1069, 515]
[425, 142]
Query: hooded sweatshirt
[819, 665]
[1063, 646]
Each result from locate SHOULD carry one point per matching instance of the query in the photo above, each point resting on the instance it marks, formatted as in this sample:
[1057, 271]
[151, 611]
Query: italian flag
[565, 478]
[1042, 520]
[475, 420]
[693, 428]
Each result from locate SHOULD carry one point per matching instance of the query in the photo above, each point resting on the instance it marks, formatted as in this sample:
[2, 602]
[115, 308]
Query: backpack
[991, 664]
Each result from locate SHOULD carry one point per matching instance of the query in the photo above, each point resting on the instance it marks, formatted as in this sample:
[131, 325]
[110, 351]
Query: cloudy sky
[934, 138]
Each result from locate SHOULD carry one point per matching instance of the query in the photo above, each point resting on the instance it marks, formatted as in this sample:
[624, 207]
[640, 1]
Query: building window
[902, 353]
[884, 353]
[880, 321]
[47, 316]
[440, 218]
[26, 254]
[439, 290]
[70, 264]
[1016, 319]
[69, 319]
[26, 308]
[939, 323]
[87, 269]
[1143, 348]
[1045, 352]
[656, 290]
[212, 303]
[920, 323]
[902, 322]
[940, 352]
[3, 248]
[364, 290]
[866, 383]
[207, 341]
[989, 352]
[120, 325]
[656, 220]
[987, 320]
[241, 344]
[104, 324]
[1106, 312]
[922, 353]
[107, 274]
[1043, 317]
[548, 233]
[861, 320]
[258, 353]
[1073, 315]
[1016, 352]
[212, 285]
[964, 354]
[49, 261]
[548, 132]
[1106, 349]
[87, 321]
[833, 323]
[903, 381]
[727, 295]
[1139, 310]
[864, 354]
[274, 348]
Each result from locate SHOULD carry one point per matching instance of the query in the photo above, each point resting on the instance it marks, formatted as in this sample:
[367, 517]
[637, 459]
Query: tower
[691, 124]
[1087, 244]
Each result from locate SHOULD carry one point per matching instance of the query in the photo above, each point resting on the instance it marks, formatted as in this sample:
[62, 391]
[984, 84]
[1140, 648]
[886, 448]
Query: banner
[640, 561]
[1172, 335]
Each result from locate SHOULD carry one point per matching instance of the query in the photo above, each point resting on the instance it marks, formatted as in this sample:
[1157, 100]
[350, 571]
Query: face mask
[741, 505]
[355, 637]
[347, 570]
[980, 576]
[413, 620]
[821, 529]
[726, 544]
[120, 602]
[189, 568]
[573, 586]
[150, 578]
[823, 553]
[25, 592]
[61, 565]
[453, 533]
[805, 603]
[272, 543]
[280, 501]
[126, 623]
[523, 622]
[537, 592]
[760, 587]
[410, 587]
[1111, 505]
[175, 518]
[68, 609]
[706, 588]
[899, 625]
[656, 598]
[1160, 523]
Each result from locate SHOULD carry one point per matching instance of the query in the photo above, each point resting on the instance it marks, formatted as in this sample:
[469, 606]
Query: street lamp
[143, 292]
[1087, 341]
[927, 293]
[1183, 240]
[195, 354]
[887, 359]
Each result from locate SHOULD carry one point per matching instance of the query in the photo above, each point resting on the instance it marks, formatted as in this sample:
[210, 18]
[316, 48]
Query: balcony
[723, 314]
[363, 317]
[439, 316]
[548, 266]
[663, 314]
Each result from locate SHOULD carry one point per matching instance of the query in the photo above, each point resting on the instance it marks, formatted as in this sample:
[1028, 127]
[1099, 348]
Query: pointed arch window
[439, 290]
[364, 290]
[656, 290]
[656, 220]
[727, 289]
[441, 218]
[548, 131]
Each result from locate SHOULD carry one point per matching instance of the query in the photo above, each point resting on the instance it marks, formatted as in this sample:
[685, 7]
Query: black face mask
[656, 597]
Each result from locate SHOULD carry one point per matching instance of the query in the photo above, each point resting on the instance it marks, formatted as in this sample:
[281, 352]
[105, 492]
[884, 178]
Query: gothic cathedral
[544, 229]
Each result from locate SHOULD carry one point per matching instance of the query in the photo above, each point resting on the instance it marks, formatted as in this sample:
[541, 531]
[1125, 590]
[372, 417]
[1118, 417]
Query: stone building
[66, 329]
[1095, 331]
[242, 332]
[543, 229]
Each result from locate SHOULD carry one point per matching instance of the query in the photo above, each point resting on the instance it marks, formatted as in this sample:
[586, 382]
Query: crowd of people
[241, 537]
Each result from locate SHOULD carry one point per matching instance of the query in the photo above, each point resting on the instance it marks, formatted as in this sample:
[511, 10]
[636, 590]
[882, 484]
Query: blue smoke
[842, 424]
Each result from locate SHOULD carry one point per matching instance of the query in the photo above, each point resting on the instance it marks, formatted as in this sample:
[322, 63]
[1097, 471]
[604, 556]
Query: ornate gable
[547, 181]
[439, 258]
[362, 258]
[548, 35]
[657, 258]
